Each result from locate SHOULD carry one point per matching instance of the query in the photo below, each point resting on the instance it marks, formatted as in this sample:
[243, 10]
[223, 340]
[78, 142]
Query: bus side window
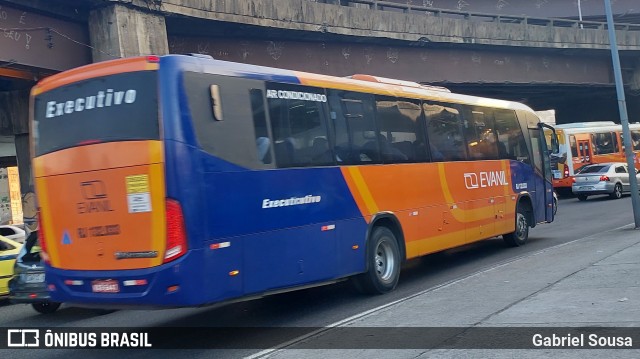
[635, 140]
[356, 137]
[604, 143]
[480, 135]
[444, 132]
[263, 142]
[510, 135]
[574, 146]
[402, 138]
[299, 126]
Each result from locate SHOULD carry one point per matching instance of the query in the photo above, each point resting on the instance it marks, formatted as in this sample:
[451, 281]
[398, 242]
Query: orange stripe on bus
[436, 243]
[363, 190]
[99, 69]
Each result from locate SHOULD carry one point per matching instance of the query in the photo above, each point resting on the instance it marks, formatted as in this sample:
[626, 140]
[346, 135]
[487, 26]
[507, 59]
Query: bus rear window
[122, 107]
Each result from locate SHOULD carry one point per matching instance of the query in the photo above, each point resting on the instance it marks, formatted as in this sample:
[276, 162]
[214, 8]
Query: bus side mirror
[555, 146]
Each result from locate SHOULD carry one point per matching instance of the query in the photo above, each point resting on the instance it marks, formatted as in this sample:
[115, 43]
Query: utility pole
[624, 119]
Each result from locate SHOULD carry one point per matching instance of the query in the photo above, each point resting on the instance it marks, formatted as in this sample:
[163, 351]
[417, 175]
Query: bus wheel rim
[384, 261]
[522, 225]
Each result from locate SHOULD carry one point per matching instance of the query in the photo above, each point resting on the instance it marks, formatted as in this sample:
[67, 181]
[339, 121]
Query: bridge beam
[120, 31]
[318, 18]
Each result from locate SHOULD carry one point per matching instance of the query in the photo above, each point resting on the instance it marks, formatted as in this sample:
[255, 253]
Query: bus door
[544, 188]
[584, 152]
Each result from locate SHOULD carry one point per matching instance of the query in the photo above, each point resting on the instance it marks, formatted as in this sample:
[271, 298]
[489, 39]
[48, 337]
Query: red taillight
[41, 239]
[176, 237]
[153, 58]
[604, 178]
[566, 171]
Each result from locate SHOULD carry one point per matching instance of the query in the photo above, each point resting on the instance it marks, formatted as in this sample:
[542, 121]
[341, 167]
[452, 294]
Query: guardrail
[484, 17]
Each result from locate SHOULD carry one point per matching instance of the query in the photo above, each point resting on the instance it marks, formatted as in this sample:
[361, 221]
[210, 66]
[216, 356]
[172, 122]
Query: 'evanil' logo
[485, 179]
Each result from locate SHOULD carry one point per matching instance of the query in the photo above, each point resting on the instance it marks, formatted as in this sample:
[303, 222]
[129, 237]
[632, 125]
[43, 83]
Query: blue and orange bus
[182, 180]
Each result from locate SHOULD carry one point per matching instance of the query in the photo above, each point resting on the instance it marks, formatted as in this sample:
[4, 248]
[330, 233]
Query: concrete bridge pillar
[14, 121]
[118, 31]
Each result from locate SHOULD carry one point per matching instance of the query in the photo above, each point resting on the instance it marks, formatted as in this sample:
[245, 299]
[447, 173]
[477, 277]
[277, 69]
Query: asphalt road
[325, 305]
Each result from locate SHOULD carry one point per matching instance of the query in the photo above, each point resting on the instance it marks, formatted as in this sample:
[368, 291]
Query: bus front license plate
[105, 286]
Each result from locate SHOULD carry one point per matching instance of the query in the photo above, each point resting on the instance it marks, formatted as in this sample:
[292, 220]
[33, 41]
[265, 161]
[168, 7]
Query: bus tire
[617, 192]
[45, 307]
[520, 235]
[582, 197]
[383, 263]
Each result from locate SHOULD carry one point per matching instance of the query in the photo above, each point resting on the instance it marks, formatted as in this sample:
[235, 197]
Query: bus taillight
[43, 244]
[176, 237]
[566, 171]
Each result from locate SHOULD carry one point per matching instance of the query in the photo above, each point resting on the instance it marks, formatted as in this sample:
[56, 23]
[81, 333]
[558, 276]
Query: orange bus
[183, 180]
[584, 143]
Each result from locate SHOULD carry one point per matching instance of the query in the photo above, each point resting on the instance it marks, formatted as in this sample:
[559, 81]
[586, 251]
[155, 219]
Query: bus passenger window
[444, 132]
[298, 126]
[356, 138]
[481, 138]
[402, 138]
[603, 143]
[573, 145]
[509, 131]
[635, 140]
[263, 143]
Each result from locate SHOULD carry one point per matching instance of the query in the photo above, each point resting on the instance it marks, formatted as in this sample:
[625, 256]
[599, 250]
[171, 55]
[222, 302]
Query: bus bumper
[172, 284]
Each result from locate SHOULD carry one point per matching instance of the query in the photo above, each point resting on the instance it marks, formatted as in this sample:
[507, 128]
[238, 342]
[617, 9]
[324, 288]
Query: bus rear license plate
[105, 286]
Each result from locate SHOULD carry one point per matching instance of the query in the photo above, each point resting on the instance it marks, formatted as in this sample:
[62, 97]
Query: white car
[13, 232]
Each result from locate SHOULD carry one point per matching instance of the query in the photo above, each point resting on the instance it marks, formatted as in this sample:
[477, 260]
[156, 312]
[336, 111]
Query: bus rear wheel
[383, 263]
[520, 235]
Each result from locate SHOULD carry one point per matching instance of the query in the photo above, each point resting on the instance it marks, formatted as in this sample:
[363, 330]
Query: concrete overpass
[546, 63]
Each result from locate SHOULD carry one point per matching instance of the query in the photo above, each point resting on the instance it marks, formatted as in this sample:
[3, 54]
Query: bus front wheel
[521, 233]
[383, 263]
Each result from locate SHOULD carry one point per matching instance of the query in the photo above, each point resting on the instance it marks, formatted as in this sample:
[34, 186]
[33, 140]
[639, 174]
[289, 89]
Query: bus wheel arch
[524, 220]
[384, 255]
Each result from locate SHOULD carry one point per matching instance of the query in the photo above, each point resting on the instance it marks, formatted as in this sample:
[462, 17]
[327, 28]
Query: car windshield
[593, 169]
[31, 250]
